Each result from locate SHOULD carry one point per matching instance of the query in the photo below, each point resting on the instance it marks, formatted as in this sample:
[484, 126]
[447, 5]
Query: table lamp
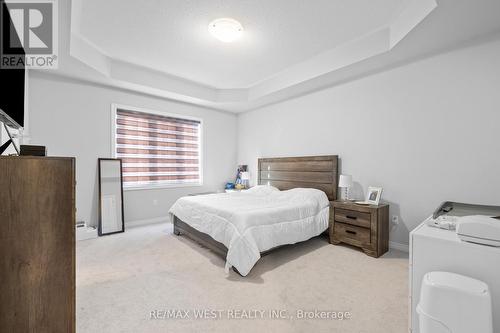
[245, 176]
[345, 182]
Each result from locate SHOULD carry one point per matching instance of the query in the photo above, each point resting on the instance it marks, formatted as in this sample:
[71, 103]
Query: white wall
[73, 119]
[426, 132]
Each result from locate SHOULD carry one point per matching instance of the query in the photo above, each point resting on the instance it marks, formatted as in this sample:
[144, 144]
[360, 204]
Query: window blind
[157, 150]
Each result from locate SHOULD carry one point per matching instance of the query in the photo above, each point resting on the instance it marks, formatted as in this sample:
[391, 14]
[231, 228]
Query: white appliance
[479, 229]
[435, 249]
[449, 214]
[454, 303]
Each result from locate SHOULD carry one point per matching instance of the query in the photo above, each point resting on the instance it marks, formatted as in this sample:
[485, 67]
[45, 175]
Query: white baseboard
[138, 223]
[399, 246]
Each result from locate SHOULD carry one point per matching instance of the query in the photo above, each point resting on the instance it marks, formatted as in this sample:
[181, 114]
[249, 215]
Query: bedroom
[399, 97]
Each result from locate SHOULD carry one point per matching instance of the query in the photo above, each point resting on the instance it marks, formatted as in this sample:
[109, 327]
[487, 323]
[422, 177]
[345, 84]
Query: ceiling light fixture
[226, 30]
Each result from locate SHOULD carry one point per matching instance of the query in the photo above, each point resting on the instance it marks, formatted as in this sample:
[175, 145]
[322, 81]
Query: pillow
[262, 190]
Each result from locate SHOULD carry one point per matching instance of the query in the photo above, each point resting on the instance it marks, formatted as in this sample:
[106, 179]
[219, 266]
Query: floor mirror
[111, 220]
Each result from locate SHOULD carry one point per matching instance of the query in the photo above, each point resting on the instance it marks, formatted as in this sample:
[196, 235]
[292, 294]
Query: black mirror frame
[99, 229]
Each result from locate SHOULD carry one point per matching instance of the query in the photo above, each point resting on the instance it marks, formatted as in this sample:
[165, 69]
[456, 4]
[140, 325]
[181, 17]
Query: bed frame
[285, 173]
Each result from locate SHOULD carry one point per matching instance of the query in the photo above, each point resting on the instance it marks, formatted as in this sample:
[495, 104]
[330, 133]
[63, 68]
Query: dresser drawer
[353, 217]
[351, 234]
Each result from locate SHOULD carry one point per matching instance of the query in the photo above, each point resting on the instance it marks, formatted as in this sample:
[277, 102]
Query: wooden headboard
[319, 172]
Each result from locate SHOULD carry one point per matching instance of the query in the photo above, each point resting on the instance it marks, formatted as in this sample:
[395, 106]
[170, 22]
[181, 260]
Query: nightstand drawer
[352, 234]
[359, 219]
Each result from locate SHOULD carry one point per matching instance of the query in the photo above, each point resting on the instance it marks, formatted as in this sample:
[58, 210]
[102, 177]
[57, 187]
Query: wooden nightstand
[366, 227]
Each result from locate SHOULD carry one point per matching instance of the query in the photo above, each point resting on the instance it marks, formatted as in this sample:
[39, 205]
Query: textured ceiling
[171, 36]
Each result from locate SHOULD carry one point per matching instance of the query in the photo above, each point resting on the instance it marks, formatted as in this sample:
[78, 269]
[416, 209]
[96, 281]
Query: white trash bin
[453, 303]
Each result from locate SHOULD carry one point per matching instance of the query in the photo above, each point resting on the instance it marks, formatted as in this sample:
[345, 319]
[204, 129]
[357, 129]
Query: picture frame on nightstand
[373, 195]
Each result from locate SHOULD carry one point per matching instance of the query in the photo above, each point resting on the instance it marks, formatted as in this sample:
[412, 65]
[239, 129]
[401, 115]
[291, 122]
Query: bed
[291, 204]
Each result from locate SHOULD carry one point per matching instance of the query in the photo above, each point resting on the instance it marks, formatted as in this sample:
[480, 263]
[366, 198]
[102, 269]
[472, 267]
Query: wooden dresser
[366, 227]
[37, 244]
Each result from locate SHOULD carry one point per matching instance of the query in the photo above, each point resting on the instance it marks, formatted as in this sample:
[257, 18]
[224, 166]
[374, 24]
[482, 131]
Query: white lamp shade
[345, 181]
[245, 175]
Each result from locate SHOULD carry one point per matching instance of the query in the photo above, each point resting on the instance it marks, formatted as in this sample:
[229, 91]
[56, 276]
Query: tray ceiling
[288, 46]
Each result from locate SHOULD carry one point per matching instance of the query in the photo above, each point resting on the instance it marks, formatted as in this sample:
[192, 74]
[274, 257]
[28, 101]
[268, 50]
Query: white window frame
[116, 106]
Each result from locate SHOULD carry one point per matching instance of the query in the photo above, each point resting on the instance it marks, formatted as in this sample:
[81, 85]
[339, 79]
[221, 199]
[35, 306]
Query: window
[157, 149]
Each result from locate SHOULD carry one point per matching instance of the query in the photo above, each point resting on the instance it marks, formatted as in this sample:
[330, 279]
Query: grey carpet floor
[124, 280]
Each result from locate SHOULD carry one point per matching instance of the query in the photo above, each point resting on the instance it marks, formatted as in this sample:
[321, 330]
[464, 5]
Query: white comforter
[256, 220]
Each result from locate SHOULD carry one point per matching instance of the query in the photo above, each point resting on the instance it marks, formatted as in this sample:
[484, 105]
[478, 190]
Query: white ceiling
[290, 47]
[171, 36]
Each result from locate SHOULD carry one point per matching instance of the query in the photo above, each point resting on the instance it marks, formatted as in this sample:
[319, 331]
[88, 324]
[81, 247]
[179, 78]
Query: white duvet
[255, 220]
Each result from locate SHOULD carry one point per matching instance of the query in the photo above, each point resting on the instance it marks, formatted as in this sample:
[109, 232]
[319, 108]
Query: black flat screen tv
[13, 90]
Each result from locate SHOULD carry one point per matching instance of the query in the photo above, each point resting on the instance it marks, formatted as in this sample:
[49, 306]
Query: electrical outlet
[155, 202]
[395, 219]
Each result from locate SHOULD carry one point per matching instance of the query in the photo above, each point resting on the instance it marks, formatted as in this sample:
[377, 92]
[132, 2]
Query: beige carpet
[122, 278]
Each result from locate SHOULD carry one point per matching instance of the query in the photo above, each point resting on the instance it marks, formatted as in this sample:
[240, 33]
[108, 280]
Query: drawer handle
[351, 217]
[351, 232]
